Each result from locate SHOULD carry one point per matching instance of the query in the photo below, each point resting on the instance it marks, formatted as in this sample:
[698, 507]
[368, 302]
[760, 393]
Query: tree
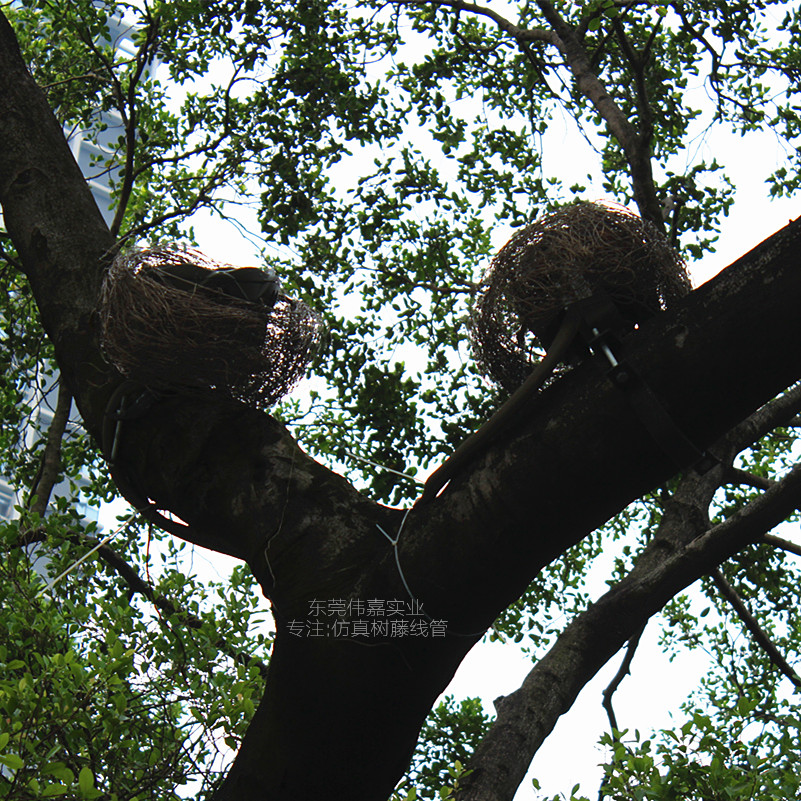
[312, 90]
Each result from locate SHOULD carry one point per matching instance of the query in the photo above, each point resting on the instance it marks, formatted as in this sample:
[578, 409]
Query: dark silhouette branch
[743, 477]
[634, 145]
[526, 717]
[140, 586]
[623, 671]
[50, 467]
[785, 545]
[759, 636]
[638, 63]
[128, 110]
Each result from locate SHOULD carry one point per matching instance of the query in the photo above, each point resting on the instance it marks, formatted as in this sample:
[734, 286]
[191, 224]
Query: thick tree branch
[526, 717]
[749, 621]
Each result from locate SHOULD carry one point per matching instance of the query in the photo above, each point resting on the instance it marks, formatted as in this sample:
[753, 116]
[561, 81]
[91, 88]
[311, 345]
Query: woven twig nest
[176, 321]
[564, 257]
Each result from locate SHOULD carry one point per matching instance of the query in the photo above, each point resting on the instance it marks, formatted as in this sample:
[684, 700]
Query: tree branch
[137, 584]
[51, 458]
[128, 111]
[505, 25]
[578, 455]
[638, 64]
[737, 476]
[779, 542]
[749, 621]
[635, 147]
[676, 556]
[623, 671]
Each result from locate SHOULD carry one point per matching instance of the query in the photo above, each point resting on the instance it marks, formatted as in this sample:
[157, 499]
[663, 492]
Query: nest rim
[567, 255]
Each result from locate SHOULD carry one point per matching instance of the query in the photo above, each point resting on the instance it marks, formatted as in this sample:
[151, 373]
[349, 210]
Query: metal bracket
[598, 330]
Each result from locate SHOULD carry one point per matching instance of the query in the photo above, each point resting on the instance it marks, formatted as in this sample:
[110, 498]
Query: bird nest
[176, 321]
[572, 254]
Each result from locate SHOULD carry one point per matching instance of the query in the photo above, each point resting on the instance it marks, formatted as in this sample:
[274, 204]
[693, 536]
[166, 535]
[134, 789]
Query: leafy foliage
[99, 695]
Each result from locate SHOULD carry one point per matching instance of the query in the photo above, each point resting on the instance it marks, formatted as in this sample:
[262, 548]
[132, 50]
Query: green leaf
[12, 761]
[53, 790]
[86, 780]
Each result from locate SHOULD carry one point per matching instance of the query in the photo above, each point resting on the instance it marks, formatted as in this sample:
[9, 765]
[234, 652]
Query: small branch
[638, 62]
[84, 77]
[780, 542]
[8, 258]
[201, 197]
[51, 458]
[760, 637]
[538, 67]
[714, 73]
[623, 671]
[505, 25]
[143, 57]
[734, 475]
[138, 585]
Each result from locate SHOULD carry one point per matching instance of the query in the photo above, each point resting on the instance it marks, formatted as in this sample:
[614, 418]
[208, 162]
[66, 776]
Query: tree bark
[340, 715]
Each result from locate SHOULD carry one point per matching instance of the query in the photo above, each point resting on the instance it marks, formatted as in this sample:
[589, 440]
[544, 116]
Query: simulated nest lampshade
[174, 320]
[569, 255]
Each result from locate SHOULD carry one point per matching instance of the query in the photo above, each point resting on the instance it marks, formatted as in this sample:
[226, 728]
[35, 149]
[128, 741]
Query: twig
[623, 671]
